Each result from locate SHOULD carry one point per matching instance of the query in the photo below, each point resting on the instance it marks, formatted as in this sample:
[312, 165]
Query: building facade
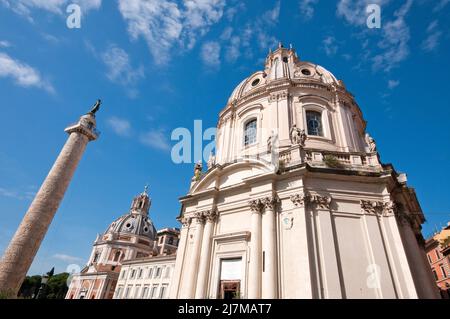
[145, 278]
[296, 203]
[438, 255]
[131, 236]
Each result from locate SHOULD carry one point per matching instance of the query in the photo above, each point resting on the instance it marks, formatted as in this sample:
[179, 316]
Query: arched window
[250, 133]
[314, 123]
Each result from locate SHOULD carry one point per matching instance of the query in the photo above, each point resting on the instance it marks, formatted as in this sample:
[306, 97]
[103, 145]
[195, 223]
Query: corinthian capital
[271, 202]
[379, 208]
[256, 205]
[211, 215]
[199, 217]
[299, 199]
[318, 201]
[185, 221]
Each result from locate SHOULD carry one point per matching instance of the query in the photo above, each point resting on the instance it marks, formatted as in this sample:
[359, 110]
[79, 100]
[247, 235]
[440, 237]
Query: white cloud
[67, 258]
[307, 9]
[119, 67]
[354, 11]
[22, 195]
[392, 84]
[22, 74]
[120, 126]
[25, 7]
[210, 54]
[238, 42]
[394, 42]
[156, 139]
[441, 5]
[330, 45]
[433, 35]
[4, 44]
[164, 24]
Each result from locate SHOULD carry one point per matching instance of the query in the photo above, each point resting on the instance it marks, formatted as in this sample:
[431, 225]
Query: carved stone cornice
[278, 96]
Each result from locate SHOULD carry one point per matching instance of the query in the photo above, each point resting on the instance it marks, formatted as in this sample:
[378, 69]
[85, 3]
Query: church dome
[283, 64]
[136, 221]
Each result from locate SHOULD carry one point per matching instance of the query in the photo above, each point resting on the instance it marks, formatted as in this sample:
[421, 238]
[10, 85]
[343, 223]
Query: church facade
[296, 202]
[130, 238]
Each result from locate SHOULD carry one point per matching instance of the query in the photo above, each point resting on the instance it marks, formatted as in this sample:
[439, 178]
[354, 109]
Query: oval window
[306, 72]
[255, 82]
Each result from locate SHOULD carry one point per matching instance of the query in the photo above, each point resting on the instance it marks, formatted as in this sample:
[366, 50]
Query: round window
[306, 72]
[128, 225]
[285, 59]
[255, 82]
[146, 229]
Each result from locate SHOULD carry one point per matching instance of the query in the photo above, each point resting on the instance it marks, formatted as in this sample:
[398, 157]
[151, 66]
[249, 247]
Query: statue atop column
[95, 107]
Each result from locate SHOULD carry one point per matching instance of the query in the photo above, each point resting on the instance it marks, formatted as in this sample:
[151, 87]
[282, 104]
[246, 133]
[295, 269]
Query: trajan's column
[23, 247]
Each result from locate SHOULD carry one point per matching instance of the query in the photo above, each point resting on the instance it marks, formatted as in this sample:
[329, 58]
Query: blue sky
[159, 65]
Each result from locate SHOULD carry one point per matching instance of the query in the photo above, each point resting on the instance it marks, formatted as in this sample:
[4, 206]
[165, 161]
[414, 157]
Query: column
[254, 276]
[269, 249]
[203, 272]
[24, 245]
[179, 262]
[195, 254]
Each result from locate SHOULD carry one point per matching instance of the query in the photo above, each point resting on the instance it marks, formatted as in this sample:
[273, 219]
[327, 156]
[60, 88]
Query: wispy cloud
[210, 54]
[330, 45]
[391, 41]
[120, 70]
[394, 42]
[157, 139]
[67, 258]
[354, 11]
[433, 36]
[4, 44]
[237, 42]
[392, 84]
[120, 126]
[25, 7]
[22, 74]
[164, 24]
[307, 9]
[20, 195]
[441, 5]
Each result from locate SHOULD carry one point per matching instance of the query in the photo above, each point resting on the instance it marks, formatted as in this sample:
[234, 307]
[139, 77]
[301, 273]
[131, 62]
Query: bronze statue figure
[95, 107]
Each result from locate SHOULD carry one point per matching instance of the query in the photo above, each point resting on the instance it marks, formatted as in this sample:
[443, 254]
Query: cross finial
[146, 189]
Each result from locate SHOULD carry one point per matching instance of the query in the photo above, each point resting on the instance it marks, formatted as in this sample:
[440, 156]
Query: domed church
[296, 202]
[131, 236]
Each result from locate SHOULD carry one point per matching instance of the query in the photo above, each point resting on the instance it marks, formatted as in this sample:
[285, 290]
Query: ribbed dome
[283, 64]
[136, 221]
